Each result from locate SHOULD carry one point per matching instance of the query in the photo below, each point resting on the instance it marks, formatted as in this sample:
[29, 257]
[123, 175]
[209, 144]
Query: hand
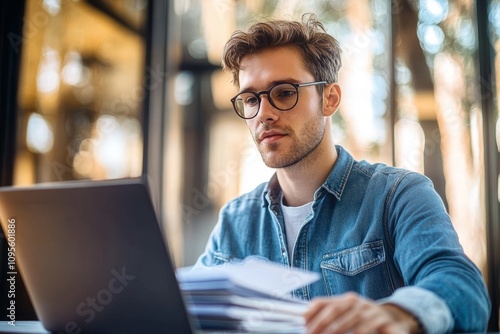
[352, 313]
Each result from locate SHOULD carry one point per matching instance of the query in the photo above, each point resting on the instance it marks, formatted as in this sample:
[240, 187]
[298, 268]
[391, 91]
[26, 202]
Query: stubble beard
[313, 133]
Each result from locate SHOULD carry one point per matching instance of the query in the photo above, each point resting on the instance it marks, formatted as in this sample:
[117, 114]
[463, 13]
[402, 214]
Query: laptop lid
[93, 257]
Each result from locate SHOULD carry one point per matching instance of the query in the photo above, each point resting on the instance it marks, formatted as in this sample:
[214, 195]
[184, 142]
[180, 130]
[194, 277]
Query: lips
[271, 136]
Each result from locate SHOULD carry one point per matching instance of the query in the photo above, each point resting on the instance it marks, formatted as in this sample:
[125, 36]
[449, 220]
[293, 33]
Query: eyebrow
[271, 84]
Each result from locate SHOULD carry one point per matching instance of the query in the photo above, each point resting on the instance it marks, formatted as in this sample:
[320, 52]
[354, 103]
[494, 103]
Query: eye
[286, 93]
[283, 92]
[250, 100]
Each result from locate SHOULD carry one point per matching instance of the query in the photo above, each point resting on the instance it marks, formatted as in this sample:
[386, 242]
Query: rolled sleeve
[428, 308]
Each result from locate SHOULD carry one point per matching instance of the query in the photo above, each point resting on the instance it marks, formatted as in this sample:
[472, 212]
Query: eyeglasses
[282, 96]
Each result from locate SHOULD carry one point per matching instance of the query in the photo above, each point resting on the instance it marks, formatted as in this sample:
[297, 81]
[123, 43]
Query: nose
[267, 112]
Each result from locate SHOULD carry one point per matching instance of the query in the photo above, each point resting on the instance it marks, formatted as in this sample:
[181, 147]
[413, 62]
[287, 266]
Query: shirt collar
[334, 184]
[336, 181]
[273, 191]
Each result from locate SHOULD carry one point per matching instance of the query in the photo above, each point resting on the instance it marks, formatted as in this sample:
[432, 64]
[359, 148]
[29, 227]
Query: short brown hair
[320, 51]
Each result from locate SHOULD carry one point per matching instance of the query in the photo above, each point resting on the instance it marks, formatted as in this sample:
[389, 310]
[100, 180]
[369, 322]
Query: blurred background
[104, 89]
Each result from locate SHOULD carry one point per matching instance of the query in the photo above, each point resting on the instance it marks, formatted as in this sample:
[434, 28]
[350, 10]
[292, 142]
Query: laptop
[93, 258]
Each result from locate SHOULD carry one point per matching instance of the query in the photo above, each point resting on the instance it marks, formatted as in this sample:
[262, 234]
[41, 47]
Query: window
[80, 91]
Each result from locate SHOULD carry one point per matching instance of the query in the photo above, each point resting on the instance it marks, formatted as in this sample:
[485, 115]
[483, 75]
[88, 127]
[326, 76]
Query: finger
[321, 320]
[372, 319]
[325, 316]
[325, 311]
[369, 320]
[313, 309]
[351, 318]
[393, 328]
[316, 306]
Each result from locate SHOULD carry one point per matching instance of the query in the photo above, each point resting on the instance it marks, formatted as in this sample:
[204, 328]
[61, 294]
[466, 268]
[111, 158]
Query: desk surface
[35, 327]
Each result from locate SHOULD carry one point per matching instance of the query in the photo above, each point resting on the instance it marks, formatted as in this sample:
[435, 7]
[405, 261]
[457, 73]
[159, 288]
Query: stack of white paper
[249, 296]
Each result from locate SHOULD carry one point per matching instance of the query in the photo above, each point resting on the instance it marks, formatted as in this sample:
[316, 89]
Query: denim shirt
[379, 231]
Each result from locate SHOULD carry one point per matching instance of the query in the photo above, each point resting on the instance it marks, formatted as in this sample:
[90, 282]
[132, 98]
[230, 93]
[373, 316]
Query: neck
[300, 181]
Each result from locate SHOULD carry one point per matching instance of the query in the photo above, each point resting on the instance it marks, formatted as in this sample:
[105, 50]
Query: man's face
[283, 138]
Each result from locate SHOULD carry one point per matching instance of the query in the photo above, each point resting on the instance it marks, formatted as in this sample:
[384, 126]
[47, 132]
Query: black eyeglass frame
[267, 92]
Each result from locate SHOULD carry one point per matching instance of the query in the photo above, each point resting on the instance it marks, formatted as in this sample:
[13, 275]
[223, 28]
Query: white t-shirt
[294, 217]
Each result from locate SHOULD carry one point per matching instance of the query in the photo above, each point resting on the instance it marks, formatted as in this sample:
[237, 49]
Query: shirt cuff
[430, 310]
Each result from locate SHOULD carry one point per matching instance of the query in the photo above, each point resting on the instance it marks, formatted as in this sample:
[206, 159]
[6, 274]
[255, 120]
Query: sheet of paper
[242, 313]
[265, 304]
[267, 277]
[249, 296]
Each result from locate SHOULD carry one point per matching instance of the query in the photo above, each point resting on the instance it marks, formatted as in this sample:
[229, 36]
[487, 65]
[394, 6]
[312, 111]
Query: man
[380, 237]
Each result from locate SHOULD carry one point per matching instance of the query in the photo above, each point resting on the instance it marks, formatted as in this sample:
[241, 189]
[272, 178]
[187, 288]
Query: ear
[331, 99]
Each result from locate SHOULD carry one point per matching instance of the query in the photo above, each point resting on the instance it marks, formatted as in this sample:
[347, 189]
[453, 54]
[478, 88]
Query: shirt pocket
[357, 269]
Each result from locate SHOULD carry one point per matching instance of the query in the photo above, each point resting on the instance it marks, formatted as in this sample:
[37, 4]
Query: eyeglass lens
[282, 96]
